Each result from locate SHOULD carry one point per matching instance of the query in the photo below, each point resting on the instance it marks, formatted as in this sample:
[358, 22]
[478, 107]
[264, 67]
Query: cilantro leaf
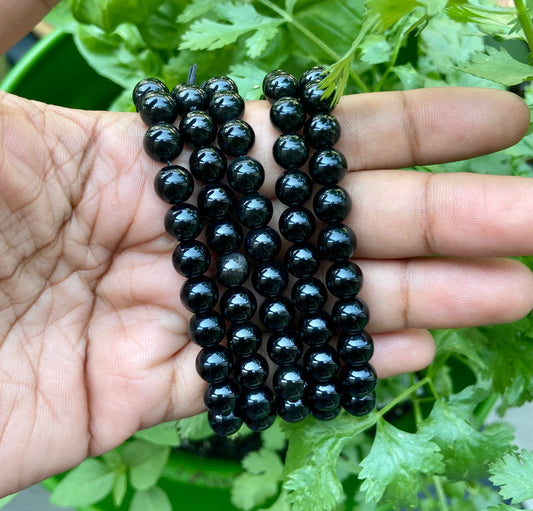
[154, 499]
[146, 462]
[383, 14]
[162, 434]
[512, 474]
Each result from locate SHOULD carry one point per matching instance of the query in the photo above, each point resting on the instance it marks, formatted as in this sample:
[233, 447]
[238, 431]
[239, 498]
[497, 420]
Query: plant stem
[443, 506]
[484, 410]
[525, 22]
[416, 404]
[401, 397]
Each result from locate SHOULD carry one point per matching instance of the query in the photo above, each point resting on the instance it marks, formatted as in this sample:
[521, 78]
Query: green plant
[427, 445]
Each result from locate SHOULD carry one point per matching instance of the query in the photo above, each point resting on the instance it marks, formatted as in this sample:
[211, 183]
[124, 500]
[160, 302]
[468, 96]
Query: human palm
[94, 339]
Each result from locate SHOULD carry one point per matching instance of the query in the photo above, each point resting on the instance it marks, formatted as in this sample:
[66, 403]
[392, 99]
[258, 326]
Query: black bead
[322, 131]
[287, 114]
[297, 224]
[276, 314]
[336, 242]
[158, 106]
[350, 316]
[145, 86]
[216, 201]
[236, 137]
[225, 106]
[183, 222]
[328, 415]
[289, 382]
[224, 425]
[199, 294]
[251, 372]
[174, 184]
[262, 244]
[309, 294]
[223, 236]
[197, 128]
[245, 174]
[321, 363]
[208, 164]
[254, 210]
[188, 98]
[219, 84]
[344, 279]
[255, 404]
[292, 411]
[316, 328]
[355, 349]
[261, 424]
[332, 204]
[290, 151]
[270, 278]
[327, 167]
[313, 99]
[302, 260]
[324, 396]
[163, 142]
[238, 305]
[278, 84]
[294, 187]
[358, 381]
[232, 269]
[207, 329]
[310, 75]
[191, 258]
[221, 398]
[213, 364]
[244, 339]
[359, 406]
[284, 348]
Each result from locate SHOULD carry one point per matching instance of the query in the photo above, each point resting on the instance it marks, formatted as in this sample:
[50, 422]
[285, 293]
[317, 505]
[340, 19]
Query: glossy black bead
[332, 204]
[350, 316]
[207, 329]
[183, 222]
[309, 294]
[219, 84]
[214, 363]
[254, 210]
[245, 174]
[145, 86]
[232, 269]
[244, 339]
[223, 236]
[289, 382]
[284, 348]
[208, 164]
[310, 75]
[236, 137]
[188, 98]
[216, 201]
[328, 415]
[174, 184]
[197, 128]
[293, 187]
[270, 278]
[191, 258]
[199, 294]
[324, 396]
[321, 363]
[358, 381]
[158, 106]
[336, 242]
[316, 328]
[224, 425]
[276, 314]
[261, 424]
[225, 106]
[327, 167]
[221, 398]
[255, 404]
[292, 411]
[313, 99]
[290, 151]
[163, 142]
[359, 406]
[238, 304]
[355, 349]
[251, 372]
[262, 244]
[297, 224]
[302, 260]
[287, 114]
[278, 84]
[344, 279]
[322, 131]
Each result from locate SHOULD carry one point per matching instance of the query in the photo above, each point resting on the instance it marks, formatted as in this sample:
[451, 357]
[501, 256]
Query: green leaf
[119, 488]
[194, 10]
[86, 484]
[274, 438]
[146, 462]
[4, 500]
[162, 434]
[154, 499]
[249, 80]
[375, 49]
[194, 428]
[383, 14]
[61, 17]
[513, 474]
[399, 465]
[467, 12]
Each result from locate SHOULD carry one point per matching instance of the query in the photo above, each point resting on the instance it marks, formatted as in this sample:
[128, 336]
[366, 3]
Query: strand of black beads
[245, 176]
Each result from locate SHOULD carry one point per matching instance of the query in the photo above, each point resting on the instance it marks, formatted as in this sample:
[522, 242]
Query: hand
[93, 342]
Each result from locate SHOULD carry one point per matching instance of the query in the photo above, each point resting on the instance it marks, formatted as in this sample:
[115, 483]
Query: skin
[93, 338]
